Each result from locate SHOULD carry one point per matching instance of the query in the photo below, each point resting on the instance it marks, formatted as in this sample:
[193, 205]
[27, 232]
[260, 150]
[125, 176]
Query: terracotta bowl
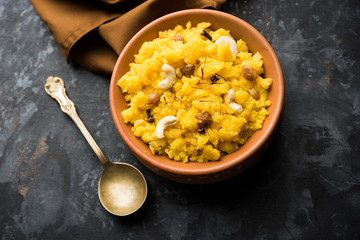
[231, 164]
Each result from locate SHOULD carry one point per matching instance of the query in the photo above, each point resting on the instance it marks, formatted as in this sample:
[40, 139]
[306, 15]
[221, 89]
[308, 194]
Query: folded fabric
[93, 32]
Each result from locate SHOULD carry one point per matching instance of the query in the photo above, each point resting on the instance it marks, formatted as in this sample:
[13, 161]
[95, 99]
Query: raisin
[188, 70]
[149, 116]
[205, 121]
[214, 79]
[249, 73]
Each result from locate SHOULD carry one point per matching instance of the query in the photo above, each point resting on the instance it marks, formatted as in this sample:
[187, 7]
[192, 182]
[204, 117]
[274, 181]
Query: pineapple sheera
[195, 94]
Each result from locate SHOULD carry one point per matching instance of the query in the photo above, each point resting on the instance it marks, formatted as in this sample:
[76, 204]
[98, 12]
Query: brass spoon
[122, 187]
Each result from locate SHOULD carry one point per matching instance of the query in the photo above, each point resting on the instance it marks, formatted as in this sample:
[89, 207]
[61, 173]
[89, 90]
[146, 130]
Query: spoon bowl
[122, 187]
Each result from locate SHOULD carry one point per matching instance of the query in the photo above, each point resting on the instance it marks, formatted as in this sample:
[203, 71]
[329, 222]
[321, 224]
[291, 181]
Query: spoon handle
[55, 88]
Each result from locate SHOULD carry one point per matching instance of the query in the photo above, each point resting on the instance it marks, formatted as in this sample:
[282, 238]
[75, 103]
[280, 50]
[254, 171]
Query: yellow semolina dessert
[195, 94]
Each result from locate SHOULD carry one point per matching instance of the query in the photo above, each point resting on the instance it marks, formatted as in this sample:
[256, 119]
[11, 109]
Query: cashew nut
[229, 100]
[232, 44]
[163, 123]
[170, 77]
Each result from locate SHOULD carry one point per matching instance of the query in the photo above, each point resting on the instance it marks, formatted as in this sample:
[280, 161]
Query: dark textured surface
[306, 186]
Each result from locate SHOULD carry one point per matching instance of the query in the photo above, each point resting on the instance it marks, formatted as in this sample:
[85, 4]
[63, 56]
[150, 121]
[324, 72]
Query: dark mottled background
[306, 186]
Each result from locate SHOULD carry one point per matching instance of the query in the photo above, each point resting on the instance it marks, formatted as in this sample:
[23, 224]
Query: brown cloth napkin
[93, 32]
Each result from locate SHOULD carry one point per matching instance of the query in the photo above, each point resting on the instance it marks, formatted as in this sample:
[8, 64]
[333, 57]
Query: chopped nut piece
[163, 123]
[231, 42]
[170, 77]
[229, 99]
[253, 93]
[154, 97]
[178, 38]
[249, 73]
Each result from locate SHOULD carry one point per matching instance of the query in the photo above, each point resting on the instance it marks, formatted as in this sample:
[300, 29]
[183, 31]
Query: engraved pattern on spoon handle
[55, 88]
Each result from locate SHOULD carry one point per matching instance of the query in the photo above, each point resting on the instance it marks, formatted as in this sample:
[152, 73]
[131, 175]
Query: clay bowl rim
[254, 143]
